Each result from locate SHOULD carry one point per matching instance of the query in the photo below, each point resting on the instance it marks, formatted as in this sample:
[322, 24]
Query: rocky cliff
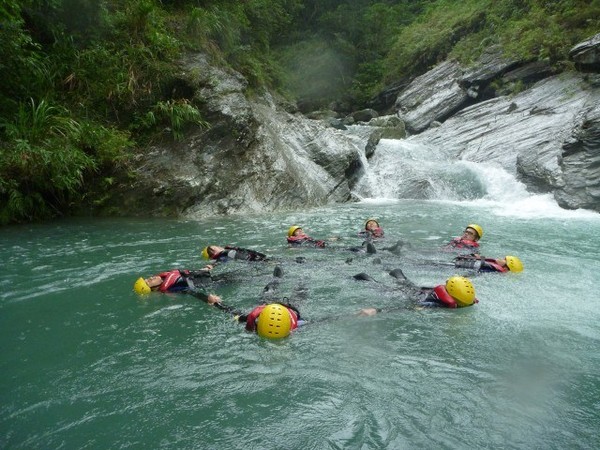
[256, 156]
[541, 126]
[259, 155]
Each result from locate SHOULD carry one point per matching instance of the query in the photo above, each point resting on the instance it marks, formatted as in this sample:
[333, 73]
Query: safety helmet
[141, 287]
[514, 264]
[461, 289]
[274, 322]
[371, 220]
[205, 253]
[292, 230]
[477, 228]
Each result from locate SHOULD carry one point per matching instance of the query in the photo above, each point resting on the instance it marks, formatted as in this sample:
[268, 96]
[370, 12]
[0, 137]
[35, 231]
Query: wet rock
[586, 54]
[364, 115]
[435, 95]
[526, 133]
[580, 164]
[255, 157]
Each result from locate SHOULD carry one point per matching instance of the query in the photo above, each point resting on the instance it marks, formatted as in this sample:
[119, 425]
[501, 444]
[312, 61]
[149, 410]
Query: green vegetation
[87, 84]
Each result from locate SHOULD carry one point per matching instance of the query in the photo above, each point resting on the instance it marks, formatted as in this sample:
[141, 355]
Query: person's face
[213, 250]
[154, 281]
[371, 225]
[470, 234]
[298, 232]
[502, 262]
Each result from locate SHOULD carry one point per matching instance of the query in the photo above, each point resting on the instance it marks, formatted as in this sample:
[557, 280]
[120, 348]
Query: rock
[392, 127]
[580, 164]
[435, 95]
[255, 157]
[364, 115]
[529, 73]
[491, 64]
[372, 143]
[531, 135]
[586, 54]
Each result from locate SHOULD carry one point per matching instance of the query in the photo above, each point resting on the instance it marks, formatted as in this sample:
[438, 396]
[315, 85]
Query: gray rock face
[580, 164]
[255, 157]
[432, 96]
[587, 53]
[545, 135]
[490, 65]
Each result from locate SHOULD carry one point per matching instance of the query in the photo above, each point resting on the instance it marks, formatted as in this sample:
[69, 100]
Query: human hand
[212, 299]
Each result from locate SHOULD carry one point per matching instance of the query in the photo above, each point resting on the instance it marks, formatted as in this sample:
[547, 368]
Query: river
[87, 363]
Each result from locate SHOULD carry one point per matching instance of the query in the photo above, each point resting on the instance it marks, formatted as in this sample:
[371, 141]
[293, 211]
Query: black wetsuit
[238, 253]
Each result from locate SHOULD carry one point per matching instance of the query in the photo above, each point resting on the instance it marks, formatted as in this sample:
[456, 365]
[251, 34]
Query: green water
[86, 363]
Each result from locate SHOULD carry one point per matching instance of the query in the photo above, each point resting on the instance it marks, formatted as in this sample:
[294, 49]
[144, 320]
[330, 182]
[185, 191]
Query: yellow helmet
[141, 287]
[476, 228]
[461, 289]
[274, 322]
[293, 229]
[514, 264]
[205, 253]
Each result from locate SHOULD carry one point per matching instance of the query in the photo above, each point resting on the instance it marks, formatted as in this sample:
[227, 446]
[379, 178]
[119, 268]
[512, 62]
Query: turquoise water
[86, 363]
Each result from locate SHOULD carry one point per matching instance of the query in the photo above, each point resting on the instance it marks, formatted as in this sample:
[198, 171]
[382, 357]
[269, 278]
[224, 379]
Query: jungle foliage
[88, 83]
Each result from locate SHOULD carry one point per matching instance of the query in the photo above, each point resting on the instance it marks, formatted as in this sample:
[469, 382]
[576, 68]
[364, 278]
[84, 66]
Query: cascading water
[408, 169]
[402, 169]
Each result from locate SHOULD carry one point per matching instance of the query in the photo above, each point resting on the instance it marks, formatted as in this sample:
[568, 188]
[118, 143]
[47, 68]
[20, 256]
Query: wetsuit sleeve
[239, 315]
[467, 263]
[199, 293]
[249, 255]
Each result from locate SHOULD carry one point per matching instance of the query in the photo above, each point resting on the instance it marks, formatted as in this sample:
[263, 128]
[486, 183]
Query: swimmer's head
[141, 286]
[461, 289]
[274, 322]
[514, 264]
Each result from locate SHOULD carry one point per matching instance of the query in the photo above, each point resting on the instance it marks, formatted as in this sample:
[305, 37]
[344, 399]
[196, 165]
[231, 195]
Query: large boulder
[586, 54]
[435, 95]
[580, 164]
[255, 157]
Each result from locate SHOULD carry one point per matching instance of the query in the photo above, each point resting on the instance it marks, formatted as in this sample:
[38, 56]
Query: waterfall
[408, 169]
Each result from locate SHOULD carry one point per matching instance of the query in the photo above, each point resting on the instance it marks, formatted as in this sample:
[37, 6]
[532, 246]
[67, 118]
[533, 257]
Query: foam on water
[399, 165]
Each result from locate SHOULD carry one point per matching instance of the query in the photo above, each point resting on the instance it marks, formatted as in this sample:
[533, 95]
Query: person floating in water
[297, 238]
[372, 230]
[273, 320]
[457, 292]
[192, 282]
[485, 265]
[227, 253]
[469, 239]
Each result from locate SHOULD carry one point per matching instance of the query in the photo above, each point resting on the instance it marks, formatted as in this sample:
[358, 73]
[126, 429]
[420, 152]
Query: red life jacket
[494, 265]
[300, 240]
[442, 295]
[463, 243]
[375, 233]
[169, 279]
[448, 301]
[253, 317]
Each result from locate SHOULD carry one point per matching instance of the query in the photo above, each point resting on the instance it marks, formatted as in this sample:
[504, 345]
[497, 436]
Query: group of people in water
[276, 319]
